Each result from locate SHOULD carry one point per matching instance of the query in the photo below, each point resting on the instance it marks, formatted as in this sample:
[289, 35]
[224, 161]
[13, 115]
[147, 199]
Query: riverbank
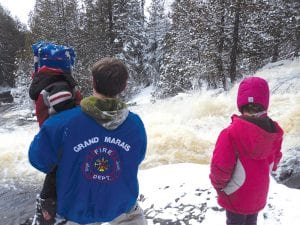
[176, 194]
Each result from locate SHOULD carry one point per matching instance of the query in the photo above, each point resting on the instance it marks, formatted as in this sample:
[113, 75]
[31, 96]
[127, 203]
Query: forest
[175, 45]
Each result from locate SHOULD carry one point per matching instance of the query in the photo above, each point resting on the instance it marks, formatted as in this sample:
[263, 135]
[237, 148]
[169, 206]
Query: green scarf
[108, 112]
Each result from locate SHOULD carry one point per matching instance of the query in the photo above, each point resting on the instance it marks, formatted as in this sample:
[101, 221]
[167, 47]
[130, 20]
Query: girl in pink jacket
[245, 154]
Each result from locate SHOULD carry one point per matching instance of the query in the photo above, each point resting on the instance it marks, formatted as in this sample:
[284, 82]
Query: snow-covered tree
[55, 20]
[207, 43]
[12, 40]
[188, 62]
[157, 28]
[130, 37]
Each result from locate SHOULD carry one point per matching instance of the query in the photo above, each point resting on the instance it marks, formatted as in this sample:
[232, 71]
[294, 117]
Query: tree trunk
[235, 39]
[111, 23]
[275, 53]
[220, 47]
[297, 49]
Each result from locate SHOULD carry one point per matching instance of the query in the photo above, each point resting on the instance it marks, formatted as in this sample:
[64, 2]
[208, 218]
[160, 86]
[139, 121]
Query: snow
[182, 192]
[174, 183]
[167, 4]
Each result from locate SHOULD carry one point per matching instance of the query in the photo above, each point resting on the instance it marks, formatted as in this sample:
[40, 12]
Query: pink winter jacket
[243, 158]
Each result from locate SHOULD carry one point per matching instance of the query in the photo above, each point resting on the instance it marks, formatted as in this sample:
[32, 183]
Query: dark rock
[288, 172]
[6, 97]
[17, 204]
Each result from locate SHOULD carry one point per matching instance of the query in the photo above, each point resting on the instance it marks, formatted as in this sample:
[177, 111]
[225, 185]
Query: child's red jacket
[243, 158]
[53, 91]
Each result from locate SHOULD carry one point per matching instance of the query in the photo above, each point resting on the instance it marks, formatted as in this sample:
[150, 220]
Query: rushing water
[185, 128]
[180, 129]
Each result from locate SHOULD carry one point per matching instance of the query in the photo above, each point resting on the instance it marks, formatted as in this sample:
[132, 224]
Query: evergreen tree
[202, 42]
[12, 37]
[265, 34]
[98, 29]
[130, 36]
[119, 32]
[217, 30]
[235, 40]
[186, 64]
[157, 28]
[56, 20]
[213, 41]
[60, 21]
[291, 24]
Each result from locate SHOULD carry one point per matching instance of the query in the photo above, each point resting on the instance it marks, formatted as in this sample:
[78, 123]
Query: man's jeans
[134, 217]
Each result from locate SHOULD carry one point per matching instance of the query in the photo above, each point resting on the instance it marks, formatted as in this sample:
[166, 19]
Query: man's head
[109, 76]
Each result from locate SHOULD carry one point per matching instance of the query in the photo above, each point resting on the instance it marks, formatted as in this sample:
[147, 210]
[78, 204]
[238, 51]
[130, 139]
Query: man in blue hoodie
[97, 149]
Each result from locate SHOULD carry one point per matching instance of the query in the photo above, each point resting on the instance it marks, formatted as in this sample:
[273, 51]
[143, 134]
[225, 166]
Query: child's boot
[45, 211]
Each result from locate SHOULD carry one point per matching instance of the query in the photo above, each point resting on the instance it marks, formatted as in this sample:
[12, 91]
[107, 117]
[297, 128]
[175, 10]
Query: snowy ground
[176, 194]
[182, 194]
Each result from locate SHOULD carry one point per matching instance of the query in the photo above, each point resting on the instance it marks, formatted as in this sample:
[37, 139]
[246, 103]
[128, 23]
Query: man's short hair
[109, 76]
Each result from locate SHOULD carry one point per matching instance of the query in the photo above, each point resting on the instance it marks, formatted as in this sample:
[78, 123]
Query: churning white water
[180, 129]
[14, 143]
[185, 128]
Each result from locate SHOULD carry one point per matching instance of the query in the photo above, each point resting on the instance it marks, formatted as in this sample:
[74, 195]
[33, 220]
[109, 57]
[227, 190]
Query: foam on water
[14, 164]
[184, 128]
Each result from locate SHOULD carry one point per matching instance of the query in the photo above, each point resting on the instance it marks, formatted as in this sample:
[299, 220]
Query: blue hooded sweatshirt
[97, 153]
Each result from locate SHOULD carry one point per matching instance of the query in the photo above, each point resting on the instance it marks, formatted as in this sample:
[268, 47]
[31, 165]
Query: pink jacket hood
[253, 141]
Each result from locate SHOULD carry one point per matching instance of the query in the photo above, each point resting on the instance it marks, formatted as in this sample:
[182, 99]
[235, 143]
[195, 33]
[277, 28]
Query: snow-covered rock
[288, 172]
[5, 96]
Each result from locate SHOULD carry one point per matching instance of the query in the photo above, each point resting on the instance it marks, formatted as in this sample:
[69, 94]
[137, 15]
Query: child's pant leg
[46, 202]
[252, 219]
[240, 219]
[49, 187]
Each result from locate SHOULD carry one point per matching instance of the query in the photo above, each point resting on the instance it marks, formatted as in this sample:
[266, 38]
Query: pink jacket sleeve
[277, 147]
[223, 161]
[277, 154]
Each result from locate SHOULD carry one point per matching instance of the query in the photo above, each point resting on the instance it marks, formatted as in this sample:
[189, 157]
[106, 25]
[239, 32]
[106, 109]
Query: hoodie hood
[253, 141]
[253, 90]
[109, 112]
[46, 77]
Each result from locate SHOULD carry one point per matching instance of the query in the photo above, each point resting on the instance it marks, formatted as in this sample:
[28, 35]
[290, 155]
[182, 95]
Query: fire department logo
[102, 164]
